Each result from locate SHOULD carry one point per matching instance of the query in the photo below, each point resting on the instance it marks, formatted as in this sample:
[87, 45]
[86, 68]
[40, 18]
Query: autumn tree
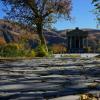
[97, 9]
[38, 13]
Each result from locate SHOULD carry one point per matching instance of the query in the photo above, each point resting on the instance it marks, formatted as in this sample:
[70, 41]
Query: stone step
[71, 97]
[47, 78]
[29, 87]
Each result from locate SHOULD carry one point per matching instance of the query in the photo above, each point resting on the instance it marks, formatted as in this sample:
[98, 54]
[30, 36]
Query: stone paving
[49, 78]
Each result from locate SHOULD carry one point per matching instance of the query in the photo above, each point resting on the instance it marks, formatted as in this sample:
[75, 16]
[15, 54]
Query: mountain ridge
[13, 32]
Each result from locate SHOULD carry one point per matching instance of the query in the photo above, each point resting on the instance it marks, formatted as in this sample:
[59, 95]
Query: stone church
[77, 41]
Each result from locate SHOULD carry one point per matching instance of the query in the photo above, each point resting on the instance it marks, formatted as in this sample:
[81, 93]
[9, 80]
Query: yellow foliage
[58, 48]
[14, 45]
[2, 41]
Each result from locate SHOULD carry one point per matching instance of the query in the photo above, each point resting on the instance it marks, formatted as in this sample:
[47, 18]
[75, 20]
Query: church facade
[77, 41]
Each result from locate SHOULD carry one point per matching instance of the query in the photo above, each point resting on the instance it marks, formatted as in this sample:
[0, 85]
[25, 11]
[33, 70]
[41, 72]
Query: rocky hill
[14, 32]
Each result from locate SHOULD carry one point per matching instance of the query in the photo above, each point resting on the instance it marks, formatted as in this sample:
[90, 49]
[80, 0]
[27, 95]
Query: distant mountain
[14, 32]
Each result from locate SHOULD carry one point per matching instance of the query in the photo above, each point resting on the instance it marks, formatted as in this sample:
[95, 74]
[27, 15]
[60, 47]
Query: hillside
[13, 32]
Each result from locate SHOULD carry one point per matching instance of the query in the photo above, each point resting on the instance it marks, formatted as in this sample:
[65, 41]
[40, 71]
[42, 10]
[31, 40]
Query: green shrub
[15, 50]
[41, 52]
[30, 53]
[8, 50]
[33, 53]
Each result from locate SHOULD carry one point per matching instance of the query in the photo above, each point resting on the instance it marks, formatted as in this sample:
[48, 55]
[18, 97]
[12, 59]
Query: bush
[41, 52]
[30, 53]
[15, 50]
[2, 41]
[8, 50]
[58, 48]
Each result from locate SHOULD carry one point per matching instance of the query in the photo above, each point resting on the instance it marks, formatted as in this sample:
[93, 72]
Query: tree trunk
[41, 36]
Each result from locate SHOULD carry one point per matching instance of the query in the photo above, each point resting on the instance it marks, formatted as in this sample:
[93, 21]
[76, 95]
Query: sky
[81, 13]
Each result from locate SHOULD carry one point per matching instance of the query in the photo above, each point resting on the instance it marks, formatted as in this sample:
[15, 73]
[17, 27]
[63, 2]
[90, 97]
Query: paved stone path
[49, 78]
